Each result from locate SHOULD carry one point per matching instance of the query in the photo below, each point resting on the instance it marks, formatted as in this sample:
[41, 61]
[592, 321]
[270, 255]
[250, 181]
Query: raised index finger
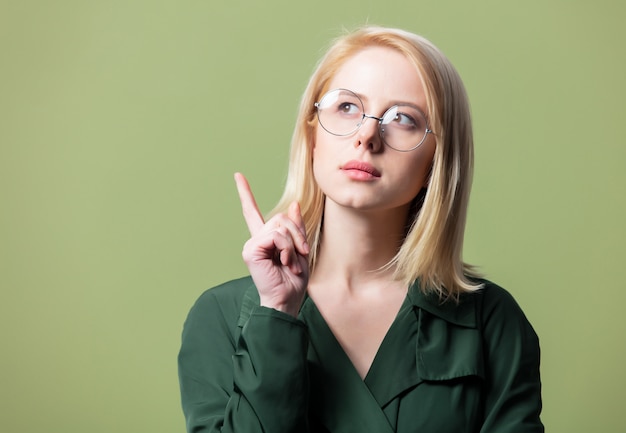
[251, 213]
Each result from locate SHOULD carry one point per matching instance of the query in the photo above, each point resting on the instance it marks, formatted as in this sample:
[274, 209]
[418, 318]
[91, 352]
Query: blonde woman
[359, 314]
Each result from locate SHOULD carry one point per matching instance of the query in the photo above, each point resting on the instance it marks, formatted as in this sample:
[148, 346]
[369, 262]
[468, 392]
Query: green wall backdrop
[121, 123]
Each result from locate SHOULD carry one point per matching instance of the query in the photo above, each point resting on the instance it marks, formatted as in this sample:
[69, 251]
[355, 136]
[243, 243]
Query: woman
[359, 314]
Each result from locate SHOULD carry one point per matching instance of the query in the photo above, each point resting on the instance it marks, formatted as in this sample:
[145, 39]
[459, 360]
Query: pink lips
[360, 170]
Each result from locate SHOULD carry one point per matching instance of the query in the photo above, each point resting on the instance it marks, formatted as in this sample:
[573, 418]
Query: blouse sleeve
[513, 385]
[247, 380]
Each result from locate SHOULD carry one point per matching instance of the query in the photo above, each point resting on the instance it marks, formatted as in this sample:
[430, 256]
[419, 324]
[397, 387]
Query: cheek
[318, 155]
[428, 158]
[416, 177]
[422, 165]
[322, 152]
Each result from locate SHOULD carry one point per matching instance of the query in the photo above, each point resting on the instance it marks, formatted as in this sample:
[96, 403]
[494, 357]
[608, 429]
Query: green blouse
[467, 367]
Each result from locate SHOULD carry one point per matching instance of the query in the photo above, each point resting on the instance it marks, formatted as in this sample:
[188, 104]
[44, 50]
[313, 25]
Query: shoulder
[220, 305]
[494, 303]
[511, 354]
[503, 323]
[488, 308]
[474, 309]
[492, 292]
[228, 295]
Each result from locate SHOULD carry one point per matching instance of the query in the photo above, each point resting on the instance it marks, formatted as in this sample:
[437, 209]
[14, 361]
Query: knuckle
[281, 230]
[282, 219]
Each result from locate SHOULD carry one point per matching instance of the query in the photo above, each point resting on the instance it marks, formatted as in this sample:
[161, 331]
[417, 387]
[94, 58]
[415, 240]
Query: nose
[368, 134]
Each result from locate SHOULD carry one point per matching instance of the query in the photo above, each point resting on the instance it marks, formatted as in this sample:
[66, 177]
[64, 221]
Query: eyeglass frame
[370, 116]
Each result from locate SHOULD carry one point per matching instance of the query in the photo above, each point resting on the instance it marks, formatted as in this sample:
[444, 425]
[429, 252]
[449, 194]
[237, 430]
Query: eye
[405, 120]
[404, 117]
[348, 108]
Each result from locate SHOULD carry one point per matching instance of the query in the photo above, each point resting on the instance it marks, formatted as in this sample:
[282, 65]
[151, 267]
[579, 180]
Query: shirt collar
[463, 313]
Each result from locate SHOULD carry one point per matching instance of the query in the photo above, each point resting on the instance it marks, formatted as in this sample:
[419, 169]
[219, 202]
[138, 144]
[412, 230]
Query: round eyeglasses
[402, 127]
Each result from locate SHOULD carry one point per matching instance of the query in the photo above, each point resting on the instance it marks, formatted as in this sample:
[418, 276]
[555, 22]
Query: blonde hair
[432, 248]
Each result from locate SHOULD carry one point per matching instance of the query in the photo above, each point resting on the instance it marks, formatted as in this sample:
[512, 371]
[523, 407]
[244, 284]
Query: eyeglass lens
[341, 112]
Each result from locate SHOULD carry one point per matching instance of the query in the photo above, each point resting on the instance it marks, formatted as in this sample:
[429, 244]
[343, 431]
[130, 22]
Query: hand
[276, 253]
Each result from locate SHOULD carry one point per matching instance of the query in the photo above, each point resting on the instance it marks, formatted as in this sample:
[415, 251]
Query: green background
[122, 122]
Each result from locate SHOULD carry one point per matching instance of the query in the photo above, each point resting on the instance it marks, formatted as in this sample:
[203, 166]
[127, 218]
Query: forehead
[381, 74]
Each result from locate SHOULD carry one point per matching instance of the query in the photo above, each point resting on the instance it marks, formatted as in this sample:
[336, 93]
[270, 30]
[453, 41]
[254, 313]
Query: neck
[356, 244]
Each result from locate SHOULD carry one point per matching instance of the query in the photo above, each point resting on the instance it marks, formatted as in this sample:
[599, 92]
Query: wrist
[290, 308]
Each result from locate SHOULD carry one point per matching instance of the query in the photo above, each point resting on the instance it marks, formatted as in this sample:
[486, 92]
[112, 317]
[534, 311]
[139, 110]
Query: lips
[360, 166]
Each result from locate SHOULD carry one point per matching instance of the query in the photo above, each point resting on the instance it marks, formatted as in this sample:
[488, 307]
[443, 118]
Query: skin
[276, 253]
[364, 216]
[382, 78]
